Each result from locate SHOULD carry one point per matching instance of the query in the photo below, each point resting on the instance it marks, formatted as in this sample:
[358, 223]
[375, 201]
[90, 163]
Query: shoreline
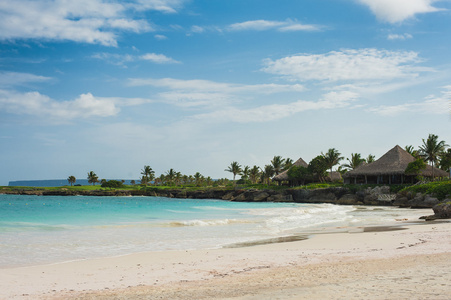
[340, 195]
[180, 274]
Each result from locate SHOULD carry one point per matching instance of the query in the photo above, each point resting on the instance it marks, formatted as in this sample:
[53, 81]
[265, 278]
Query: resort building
[284, 175]
[390, 169]
[282, 178]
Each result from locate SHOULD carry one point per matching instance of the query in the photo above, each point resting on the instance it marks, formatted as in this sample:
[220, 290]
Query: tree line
[432, 150]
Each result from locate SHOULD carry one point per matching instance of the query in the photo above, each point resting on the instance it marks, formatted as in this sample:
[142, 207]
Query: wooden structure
[284, 175]
[389, 169]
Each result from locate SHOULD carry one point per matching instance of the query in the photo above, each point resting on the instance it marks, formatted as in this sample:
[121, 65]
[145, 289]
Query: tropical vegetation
[317, 171]
[92, 177]
[71, 179]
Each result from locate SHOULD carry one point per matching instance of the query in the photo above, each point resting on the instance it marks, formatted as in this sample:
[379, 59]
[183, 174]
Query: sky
[110, 86]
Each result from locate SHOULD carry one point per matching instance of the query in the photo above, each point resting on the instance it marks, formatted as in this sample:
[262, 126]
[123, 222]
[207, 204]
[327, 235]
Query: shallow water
[50, 229]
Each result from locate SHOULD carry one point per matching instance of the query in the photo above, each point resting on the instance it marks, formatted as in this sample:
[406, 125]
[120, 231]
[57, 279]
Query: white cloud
[122, 59]
[84, 21]
[431, 105]
[8, 79]
[160, 37]
[83, 107]
[166, 6]
[404, 36]
[256, 25]
[212, 86]
[209, 94]
[358, 65]
[274, 112]
[261, 25]
[299, 27]
[158, 58]
[397, 11]
[197, 29]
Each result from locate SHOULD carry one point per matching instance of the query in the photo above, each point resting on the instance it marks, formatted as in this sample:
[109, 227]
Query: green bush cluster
[439, 189]
[113, 184]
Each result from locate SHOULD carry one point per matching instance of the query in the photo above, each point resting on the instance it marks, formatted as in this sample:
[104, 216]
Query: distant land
[53, 182]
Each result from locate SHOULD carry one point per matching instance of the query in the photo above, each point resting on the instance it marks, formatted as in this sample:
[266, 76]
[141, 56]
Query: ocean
[51, 229]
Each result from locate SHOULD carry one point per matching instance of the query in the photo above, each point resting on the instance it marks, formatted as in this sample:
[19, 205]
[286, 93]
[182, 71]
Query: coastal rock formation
[443, 210]
[415, 200]
[380, 196]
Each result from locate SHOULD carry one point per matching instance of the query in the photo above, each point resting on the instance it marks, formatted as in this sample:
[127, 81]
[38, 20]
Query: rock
[300, 195]
[242, 197]
[260, 196]
[443, 210]
[181, 195]
[401, 201]
[280, 198]
[421, 201]
[349, 199]
[228, 196]
[320, 196]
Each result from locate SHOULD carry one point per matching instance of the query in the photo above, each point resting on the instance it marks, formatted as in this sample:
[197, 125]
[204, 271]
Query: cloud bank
[400, 10]
[84, 21]
[261, 25]
[355, 65]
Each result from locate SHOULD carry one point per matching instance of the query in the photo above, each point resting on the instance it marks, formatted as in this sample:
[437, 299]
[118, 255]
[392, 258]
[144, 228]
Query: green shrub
[439, 189]
[113, 184]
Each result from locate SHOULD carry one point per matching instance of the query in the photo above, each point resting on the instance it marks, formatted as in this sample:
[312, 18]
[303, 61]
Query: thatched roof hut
[390, 168]
[284, 175]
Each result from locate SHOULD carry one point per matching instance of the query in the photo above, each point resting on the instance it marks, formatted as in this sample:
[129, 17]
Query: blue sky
[111, 86]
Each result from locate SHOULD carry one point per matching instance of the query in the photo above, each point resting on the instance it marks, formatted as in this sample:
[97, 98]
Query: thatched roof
[284, 175]
[334, 176]
[394, 162]
[437, 172]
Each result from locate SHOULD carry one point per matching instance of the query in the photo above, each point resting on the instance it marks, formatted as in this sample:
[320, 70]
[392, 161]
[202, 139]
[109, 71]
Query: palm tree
[332, 158]
[409, 149]
[92, 178]
[170, 176]
[445, 160]
[288, 164]
[198, 179]
[185, 179]
[71, 179]
[278, 163]
[431, 150]
[178, 178]
[148, 174]
[355, 161]
[144, 180]
[162, 179]
[371, 158]
[235, 169]
[267, 173]
[254, 173]
[245, 173]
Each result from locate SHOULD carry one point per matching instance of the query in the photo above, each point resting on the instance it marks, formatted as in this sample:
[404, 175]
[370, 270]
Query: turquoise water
[50, 229]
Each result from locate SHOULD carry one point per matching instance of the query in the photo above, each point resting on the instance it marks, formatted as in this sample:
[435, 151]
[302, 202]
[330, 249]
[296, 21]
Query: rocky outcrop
[415, 200]
[380, 196]
[441, 211]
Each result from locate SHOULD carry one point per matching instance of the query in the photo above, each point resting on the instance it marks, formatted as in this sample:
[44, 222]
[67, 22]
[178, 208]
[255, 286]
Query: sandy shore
[414, 263]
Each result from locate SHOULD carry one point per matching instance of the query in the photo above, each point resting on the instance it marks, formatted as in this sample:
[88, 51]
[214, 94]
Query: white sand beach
[413, 263]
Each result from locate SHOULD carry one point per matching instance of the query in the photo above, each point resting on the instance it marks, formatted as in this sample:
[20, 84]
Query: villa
[390, 169]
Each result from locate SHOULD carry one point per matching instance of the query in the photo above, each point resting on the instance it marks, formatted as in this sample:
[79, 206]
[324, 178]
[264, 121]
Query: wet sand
[374, 263]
